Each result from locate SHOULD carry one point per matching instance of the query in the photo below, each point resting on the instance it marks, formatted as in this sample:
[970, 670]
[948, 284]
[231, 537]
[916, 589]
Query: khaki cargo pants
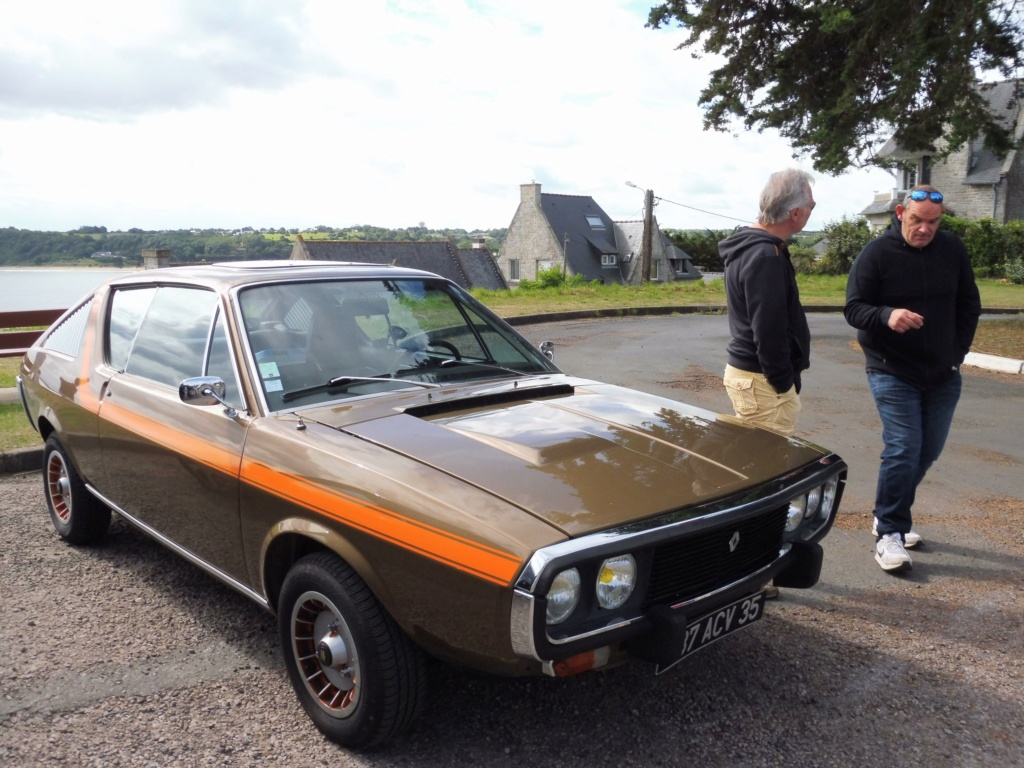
[756, 401]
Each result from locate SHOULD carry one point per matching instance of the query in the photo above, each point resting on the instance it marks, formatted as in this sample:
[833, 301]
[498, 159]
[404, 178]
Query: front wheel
[78, 516]
[356, 674]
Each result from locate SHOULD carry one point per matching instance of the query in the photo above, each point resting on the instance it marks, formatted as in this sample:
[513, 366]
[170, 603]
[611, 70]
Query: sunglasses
[922, 194]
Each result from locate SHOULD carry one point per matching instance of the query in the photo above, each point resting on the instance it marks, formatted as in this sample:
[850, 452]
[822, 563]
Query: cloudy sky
[169, 114]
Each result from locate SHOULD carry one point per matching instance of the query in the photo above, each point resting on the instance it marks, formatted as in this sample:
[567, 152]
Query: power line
[709, 213]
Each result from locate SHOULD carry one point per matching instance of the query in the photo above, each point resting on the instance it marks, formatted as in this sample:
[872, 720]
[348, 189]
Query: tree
[844, 239]
[839, 77]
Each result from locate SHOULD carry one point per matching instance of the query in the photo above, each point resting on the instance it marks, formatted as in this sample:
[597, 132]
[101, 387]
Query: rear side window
[66, 338]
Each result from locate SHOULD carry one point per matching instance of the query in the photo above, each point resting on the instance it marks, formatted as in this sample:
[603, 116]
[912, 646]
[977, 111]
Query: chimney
[530, 193]
[156, 258]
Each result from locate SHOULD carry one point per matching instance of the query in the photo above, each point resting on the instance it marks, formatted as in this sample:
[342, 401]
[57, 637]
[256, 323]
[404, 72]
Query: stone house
[573, 232]
[469, 267]
[975, 182]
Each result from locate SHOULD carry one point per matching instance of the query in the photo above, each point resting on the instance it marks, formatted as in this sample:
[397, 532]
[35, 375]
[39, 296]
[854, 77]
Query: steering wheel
[445, 345]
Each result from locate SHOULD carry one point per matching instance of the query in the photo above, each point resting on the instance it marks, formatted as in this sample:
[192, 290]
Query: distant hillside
[95, 245]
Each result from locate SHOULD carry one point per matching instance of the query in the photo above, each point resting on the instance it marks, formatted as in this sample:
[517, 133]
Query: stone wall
[529, 239]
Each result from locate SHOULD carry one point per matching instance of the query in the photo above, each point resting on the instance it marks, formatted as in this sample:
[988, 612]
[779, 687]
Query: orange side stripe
[206, 452]
[485, 562]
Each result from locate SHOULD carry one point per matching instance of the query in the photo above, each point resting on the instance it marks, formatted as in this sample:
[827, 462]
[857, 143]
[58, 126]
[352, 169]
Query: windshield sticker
[271, 376]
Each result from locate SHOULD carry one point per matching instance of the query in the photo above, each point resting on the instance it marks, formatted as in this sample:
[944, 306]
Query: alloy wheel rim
[331, 676]
[58, 486]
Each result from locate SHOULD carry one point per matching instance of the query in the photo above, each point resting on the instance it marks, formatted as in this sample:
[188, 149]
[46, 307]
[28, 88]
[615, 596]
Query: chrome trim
[750, 502]
[670, 526]
[782, 553]
[24, 402]
[179, 550]
[618, 624]
[523, 605]
[521, 625]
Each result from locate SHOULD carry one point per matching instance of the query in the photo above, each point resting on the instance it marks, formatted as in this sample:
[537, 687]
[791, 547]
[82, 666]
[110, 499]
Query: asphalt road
[123, 654]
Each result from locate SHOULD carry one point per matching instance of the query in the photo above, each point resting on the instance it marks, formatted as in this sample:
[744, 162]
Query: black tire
[357, 675]
[77, 515]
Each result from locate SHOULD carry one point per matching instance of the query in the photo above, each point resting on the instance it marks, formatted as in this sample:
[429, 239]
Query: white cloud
[180, 113]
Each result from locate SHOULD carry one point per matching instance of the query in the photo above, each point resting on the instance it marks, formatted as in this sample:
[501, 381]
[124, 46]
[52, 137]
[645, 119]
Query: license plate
[716, 625]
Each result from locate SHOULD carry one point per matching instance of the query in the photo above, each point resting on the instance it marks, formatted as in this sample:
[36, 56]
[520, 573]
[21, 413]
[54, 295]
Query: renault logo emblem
[734, 541]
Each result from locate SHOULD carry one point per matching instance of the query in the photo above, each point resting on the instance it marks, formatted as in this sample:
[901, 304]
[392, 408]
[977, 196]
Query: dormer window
[609, 259]
[595, 222]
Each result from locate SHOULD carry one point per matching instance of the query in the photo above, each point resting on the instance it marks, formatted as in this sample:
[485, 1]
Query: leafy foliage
[553, 278]
[702, 246]
[89, 245]
[803, 258]
[845, 239]
[838, 78]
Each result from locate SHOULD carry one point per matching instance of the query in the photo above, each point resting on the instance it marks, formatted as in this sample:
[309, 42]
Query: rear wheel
[78, 516]
[358, 677]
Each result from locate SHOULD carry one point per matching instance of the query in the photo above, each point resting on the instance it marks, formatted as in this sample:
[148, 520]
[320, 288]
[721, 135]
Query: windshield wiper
[488, 364]
[343, 381]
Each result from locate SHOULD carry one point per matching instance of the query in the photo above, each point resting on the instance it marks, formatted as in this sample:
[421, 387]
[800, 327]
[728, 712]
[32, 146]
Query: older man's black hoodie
[768, 326]
[936, 282]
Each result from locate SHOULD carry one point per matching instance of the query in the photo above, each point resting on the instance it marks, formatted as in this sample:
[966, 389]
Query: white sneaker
[910, 540]
[890, 554]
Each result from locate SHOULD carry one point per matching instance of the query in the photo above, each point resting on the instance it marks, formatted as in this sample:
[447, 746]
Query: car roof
[229, 274]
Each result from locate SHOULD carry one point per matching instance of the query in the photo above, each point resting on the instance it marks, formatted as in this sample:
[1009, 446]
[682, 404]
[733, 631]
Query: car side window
[66, 338]
[219, 361]
[127, 309]
[171, 343]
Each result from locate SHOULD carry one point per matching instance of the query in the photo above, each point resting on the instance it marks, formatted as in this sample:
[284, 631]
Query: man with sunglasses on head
[770, 342]
[912, 296]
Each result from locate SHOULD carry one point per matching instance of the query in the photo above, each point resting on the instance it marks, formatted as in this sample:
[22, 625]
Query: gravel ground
[124, 655]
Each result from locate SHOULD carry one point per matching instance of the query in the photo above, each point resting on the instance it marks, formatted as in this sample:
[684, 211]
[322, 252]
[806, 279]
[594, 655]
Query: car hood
[580, 455]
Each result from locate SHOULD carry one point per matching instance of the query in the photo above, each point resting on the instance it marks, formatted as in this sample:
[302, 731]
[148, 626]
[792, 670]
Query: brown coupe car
[374, 456]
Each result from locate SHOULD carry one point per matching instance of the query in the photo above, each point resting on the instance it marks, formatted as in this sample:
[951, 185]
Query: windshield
[317, 341]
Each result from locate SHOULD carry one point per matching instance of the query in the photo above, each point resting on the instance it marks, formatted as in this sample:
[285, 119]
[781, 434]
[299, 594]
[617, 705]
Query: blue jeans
[915, 425]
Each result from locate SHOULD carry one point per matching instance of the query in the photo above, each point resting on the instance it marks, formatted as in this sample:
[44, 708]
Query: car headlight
[563, 596]
[615, 581]
[829, 496]
[813, 502]
[795, 516]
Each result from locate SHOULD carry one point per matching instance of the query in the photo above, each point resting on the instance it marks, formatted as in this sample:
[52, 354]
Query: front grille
[695, 565]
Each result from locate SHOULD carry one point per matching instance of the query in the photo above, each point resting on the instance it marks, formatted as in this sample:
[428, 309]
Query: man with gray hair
[771, 342]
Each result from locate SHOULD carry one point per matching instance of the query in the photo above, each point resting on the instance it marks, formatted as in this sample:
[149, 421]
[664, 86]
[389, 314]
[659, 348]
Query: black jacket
[768, 325]
[937, 282]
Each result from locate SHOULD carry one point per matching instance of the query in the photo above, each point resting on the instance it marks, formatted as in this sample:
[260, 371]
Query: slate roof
[567, 216]
[880, 206]
[987, 167]
[468, 267]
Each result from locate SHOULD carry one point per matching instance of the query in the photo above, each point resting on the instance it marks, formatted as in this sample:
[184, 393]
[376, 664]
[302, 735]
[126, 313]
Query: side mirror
[547, 348]
[205, 390]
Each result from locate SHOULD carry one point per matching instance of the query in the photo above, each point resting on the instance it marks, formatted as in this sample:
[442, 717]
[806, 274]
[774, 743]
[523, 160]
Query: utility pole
[648, 237]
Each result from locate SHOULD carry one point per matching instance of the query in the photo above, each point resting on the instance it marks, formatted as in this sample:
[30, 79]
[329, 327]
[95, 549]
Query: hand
[902, 320]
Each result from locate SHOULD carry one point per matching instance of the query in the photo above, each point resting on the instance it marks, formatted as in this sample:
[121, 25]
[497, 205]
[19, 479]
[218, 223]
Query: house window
[595, 222]
[655, 271]
[609, 259]
[513, 269]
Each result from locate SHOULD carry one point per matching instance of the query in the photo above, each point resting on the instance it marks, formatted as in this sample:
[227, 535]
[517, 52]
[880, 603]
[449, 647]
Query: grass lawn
[1002, 336]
